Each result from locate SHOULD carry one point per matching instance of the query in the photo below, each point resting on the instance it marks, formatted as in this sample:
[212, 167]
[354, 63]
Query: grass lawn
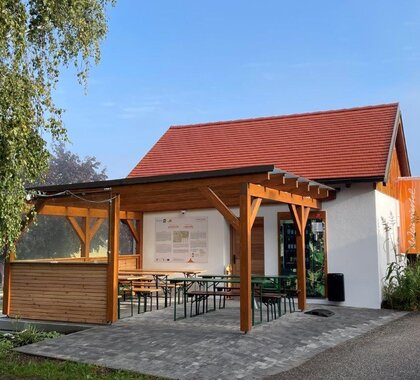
[14, 365]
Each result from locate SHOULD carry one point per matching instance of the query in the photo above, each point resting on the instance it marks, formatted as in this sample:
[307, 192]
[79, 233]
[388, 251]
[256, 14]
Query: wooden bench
[198, 296]
[145, 293]
[167, 291]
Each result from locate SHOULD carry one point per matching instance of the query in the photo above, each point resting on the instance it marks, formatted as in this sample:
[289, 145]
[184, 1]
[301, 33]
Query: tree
[53, 237]
[67, 167]
[37, 39]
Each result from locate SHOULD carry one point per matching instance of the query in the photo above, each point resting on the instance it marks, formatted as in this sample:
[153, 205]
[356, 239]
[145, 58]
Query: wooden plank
[62, 292]
[256, 203]
[280, 196]
[245, 264]
[112, 285]
[221, 207]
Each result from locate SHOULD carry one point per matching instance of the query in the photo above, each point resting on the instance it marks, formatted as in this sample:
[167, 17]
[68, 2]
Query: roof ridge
[293, 115]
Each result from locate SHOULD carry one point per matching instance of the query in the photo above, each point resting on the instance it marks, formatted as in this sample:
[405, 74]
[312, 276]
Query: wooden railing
[129, 262]
[73, 292]
[125, 261]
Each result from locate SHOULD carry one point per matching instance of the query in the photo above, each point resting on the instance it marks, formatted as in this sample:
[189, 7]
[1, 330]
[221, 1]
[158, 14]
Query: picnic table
[160, 276]
[122, 278]
[211, 285]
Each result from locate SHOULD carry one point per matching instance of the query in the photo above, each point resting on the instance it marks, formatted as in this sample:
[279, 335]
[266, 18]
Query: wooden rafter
[220, 206]
[282, 196]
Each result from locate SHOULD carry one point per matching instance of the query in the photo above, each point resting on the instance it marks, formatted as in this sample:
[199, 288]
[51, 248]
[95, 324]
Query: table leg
[131, 297]
[253, 304]
[185, 299]
[166, 291]
[175, 306]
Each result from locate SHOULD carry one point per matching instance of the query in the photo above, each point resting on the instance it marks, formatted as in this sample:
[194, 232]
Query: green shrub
[27, 336]
[5, 347]
[402, 286]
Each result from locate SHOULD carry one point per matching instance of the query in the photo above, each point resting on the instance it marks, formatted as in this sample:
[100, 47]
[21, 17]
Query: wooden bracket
[256, 203]
[131, 226]
[76, 227]
[220, 206]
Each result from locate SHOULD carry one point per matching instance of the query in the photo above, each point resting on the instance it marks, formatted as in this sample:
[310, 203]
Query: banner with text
[181, 239]
[409, 194]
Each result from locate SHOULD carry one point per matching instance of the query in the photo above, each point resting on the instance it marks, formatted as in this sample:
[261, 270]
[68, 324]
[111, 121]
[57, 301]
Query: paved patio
[211, 346]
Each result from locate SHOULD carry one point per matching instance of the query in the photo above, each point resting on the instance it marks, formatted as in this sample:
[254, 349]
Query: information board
[181, 239]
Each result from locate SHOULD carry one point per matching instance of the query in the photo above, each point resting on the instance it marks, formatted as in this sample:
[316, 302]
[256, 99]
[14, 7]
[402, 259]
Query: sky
[186, 61]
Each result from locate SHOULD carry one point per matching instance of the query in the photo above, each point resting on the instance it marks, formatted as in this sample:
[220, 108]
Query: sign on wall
[181, 239]
[409, 195]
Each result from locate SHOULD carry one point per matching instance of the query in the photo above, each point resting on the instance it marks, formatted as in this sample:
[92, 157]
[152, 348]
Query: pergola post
[300, 216]
[245, 264]
[114, 242]
[86, 244]
[139, 244]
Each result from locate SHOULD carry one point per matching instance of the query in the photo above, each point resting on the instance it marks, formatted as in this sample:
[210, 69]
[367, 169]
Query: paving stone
[210, 346]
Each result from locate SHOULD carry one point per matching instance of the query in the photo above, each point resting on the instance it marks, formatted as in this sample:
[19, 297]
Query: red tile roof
[347, 143]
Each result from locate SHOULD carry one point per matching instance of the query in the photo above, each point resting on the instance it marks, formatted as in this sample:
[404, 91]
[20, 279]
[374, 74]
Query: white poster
[181, 240]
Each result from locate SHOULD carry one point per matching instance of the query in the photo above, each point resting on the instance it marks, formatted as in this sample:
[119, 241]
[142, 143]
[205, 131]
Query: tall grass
[402, 286]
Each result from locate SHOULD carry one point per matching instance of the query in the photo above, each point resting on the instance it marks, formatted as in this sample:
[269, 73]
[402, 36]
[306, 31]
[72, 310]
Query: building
[188, 203]
[360, 152]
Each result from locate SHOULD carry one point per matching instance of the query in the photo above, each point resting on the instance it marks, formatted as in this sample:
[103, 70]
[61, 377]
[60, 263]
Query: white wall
[353, 245]
[388, 209]
[218, 242]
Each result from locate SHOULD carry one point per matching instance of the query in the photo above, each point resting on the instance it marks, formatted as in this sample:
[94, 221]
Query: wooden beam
[151, 188]
[221, 207]
[245, 263]
[139, 245]
[300, 216]
[114, 239]
[54, 210]
[281, 196]
[76, 227]
[256, 203]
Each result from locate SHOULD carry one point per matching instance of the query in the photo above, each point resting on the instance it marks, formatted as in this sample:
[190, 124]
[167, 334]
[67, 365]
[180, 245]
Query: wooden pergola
[247, 188]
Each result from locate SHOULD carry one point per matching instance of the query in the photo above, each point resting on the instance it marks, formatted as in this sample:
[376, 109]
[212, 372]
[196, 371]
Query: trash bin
[335, 282]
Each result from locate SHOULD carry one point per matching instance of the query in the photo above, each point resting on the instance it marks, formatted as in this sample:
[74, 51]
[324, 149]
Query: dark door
[257, 248]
